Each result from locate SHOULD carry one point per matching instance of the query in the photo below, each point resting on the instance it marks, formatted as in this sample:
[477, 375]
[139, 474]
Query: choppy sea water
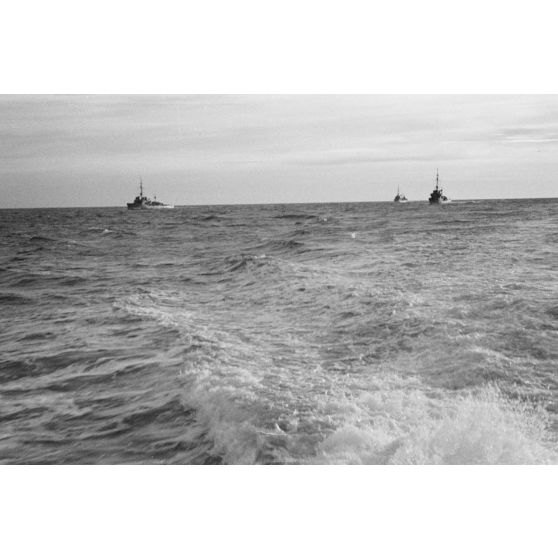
[319, 333]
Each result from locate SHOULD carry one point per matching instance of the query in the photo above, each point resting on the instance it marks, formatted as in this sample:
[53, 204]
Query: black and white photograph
[278, 279]
[299, 279]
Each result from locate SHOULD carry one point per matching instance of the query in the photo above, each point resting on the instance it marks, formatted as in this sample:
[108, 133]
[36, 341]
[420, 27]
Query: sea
[347, 333]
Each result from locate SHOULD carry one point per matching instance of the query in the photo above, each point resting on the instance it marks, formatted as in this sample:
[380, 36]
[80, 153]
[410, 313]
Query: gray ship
[437, 195]
[143, 202]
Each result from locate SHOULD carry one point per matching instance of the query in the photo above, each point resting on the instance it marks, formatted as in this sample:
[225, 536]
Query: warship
[437, 195]
[143, 202]
[400, 198]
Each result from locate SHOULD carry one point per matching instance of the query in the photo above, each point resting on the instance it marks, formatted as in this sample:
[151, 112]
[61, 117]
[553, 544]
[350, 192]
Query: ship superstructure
[143, 202]
[437, 195]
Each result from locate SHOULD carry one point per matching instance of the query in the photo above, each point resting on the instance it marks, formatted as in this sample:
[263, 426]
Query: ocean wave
[39, 238]
[296, 216]
[389, 422]
[246, 261]
[221, 270]
[44, 279]
[282, 246]
[170, 312]
[480, 427]
[15, 298]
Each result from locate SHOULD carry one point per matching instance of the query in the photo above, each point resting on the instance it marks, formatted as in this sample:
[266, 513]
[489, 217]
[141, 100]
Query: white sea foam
[408, 427]
[250, 410]
[387, 421]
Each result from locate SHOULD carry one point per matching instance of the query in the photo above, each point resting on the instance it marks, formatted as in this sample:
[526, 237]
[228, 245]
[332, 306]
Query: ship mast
[141, 188]
[436, 179]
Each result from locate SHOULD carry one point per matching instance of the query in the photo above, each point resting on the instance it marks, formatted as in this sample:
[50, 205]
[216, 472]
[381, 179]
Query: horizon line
[273, 203]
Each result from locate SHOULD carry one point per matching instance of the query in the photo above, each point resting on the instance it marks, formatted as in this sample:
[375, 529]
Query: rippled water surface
[337, 333]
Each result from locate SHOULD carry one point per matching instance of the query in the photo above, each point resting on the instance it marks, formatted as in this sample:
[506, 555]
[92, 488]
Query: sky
[90, 150]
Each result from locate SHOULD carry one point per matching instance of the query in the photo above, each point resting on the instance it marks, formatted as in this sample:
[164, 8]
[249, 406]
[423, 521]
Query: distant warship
[143, 202]
[400, 198]
[437, 195]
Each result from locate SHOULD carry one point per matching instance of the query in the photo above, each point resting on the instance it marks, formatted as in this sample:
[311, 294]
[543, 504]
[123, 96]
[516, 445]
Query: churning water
[336, 333]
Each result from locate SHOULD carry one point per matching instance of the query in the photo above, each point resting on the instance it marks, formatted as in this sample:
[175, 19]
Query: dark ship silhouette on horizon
[400, 198]
[437, 195]
[143, 202]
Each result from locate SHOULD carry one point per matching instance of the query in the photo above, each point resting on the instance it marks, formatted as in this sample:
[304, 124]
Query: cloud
[540, 134]
[348, 157]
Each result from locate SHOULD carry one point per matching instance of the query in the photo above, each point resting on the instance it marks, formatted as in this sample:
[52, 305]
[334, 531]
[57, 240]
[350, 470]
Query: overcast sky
[91, 150]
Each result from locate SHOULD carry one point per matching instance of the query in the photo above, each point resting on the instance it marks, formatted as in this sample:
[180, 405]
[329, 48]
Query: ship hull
[148, 207]
[143, 202]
